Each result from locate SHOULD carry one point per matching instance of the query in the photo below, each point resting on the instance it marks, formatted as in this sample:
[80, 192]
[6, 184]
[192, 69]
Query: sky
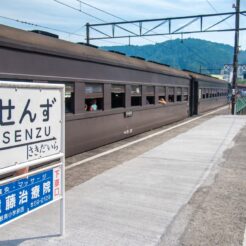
[54, 15]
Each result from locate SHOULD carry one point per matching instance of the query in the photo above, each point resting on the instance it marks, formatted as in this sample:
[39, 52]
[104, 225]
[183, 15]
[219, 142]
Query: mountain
[192, 54]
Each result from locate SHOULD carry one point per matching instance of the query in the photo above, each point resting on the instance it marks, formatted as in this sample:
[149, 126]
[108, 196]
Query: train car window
[69, 98]
[118, 96]
[161, 94]
[185, 94]
[218, 93]
[210, 93]
[178, 94]
[150, 94]
[93, 97]
[136, 95]
[170, 94]
[207, 93]
[203, 93]
[200, 94]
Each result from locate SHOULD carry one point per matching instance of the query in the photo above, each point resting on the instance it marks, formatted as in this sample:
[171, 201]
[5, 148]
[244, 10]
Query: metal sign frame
[58, 158]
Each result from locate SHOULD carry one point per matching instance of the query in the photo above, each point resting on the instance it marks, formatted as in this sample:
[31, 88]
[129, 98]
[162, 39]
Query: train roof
[241, 85]
[20, 39]
[204, 77]
[35, 42]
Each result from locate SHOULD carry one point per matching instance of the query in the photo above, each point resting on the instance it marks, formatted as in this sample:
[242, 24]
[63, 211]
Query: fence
[241, 105]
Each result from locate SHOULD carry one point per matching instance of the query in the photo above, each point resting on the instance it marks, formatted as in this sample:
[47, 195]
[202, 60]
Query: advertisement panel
[22, 196]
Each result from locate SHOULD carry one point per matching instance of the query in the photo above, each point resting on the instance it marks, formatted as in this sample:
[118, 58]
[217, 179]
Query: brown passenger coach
[109, 96]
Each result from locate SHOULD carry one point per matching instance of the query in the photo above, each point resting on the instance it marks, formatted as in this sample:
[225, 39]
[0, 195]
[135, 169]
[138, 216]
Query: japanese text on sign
[30, 124]
[24, 195]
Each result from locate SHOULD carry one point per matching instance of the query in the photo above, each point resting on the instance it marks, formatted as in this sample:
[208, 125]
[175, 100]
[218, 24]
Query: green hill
[191, 54]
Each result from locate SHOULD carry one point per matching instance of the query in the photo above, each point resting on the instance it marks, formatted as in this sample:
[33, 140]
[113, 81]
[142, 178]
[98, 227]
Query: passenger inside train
[162, 101]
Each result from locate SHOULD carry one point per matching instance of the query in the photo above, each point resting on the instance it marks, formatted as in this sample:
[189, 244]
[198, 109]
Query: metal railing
[241, 105]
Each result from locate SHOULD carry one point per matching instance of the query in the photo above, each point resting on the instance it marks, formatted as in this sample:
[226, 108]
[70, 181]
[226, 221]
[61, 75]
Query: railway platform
[180, 185]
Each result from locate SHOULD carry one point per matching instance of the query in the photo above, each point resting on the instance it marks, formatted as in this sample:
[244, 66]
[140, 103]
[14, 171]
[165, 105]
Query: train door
[193, 97]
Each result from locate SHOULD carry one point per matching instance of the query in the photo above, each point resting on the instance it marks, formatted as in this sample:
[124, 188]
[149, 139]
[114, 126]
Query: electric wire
[41, 26]
[96, 18]
[106, 12]
[215, 10]
[113, 15]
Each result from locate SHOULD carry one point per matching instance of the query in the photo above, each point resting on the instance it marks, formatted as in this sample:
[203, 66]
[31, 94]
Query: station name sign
[30, 124]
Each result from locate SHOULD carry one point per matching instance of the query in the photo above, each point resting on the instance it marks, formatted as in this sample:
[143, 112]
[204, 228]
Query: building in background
[228, 70]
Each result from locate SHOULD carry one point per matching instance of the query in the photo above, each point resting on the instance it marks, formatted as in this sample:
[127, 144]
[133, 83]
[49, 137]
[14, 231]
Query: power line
[90, 15]
[104, 11]
[71, 7]
[41, 26]
[212, 6]
[107, 41]
[98, 19]
[77, 30]
[54, 29]
[108, 13]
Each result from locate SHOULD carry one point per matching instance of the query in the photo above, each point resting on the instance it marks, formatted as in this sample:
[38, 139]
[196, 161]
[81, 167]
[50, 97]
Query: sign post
[32, 134]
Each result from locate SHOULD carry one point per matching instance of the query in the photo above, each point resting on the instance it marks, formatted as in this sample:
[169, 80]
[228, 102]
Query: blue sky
[51, 14]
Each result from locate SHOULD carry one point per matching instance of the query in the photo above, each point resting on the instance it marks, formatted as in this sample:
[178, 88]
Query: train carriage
[109, 96]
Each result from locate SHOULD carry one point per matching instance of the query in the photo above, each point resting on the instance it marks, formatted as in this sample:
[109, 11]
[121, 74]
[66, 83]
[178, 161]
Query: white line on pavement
[244, 238]
[140, 140]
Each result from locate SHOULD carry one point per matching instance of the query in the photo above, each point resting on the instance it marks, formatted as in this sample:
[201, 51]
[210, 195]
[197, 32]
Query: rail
[241, 105]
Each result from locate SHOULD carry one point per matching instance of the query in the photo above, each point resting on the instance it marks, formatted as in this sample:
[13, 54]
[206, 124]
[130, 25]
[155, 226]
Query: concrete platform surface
[133, 203]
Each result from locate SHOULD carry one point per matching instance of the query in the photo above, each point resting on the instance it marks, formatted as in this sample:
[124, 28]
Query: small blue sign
[22, 196]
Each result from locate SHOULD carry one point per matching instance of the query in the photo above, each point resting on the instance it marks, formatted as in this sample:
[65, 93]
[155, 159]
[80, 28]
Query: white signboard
[30, 123]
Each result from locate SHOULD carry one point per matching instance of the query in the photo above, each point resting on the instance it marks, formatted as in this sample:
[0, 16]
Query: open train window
[185, 94]
[213, 94]
[136, 95]
[161, 90]
[93, 97]
[118, 96]
[150, 94]
[203, 93]
[170, 94]
[178, 94]
[69, 98]
[69, 95]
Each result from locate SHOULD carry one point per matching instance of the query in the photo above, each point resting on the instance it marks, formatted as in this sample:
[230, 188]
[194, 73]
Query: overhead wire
[71, 7]
[113, 15]
[215, 10]
[98, 19]
[41, 26]
[90, 15]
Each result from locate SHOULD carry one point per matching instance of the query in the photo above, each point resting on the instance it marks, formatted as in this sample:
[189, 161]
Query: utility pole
[235, 58]
[87, 33]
